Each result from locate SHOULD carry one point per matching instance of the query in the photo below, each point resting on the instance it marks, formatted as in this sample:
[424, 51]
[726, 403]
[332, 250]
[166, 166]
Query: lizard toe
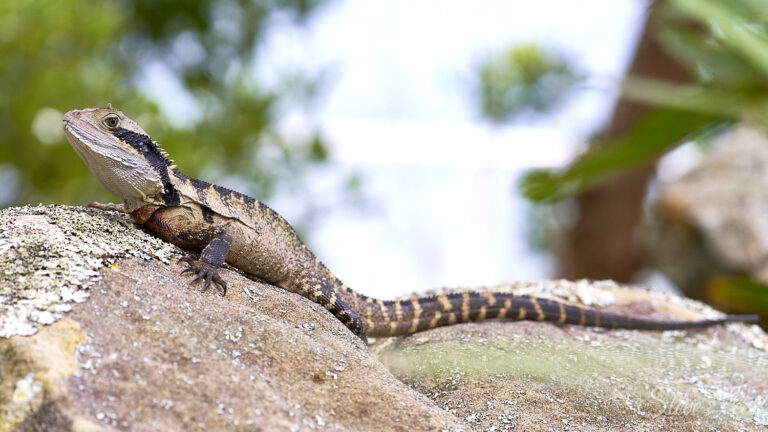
[204, 272]
[200, 276]
[190, 262]
[221, 283]
[207, 280]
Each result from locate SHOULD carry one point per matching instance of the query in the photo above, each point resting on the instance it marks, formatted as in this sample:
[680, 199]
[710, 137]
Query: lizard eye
[111, 121]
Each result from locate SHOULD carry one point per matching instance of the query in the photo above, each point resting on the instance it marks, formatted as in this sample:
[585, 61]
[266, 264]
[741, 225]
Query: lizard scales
[224, 225]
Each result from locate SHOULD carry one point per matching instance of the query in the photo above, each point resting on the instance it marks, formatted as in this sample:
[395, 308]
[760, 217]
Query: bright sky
[398, 108]
[414, 60]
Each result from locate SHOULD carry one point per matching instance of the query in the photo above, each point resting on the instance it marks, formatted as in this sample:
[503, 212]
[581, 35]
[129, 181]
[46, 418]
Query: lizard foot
[204, 272]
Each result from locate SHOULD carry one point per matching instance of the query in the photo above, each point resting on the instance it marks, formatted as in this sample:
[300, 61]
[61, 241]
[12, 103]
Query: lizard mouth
[71, 131]
[70, 128]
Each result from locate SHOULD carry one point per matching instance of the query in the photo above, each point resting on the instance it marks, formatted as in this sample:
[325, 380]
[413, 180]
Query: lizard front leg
[174, 225]
[212, 257]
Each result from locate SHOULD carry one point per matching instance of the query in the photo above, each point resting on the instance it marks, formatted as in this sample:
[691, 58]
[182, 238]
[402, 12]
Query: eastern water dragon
[227, 226]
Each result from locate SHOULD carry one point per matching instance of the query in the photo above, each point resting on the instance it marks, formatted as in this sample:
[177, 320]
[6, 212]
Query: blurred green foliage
[738, 293]
[725, 47]
[60, 55]
[524, 78]
[653, 135]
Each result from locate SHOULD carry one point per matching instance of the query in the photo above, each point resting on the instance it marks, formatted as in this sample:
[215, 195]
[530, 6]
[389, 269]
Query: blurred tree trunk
[603, 243]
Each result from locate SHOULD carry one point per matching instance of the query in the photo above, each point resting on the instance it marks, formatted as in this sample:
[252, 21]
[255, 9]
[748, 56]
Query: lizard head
[120, 155]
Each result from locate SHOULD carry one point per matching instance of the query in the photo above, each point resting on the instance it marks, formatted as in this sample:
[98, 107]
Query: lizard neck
[161, 166]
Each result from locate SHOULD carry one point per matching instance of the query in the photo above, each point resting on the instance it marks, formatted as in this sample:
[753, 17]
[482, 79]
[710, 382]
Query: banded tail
[395, 318]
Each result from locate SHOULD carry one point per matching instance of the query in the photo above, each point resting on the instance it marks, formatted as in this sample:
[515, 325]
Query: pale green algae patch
[50, 255]
[658, 376]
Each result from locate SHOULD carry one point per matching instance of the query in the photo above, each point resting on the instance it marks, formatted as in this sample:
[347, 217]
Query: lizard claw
[190, 264]
[204, 272]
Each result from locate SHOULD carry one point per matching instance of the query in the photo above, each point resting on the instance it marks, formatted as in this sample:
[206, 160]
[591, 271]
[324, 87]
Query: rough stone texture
[524, 377]
[48, 254]
[146, 352]
[713, 219]
[536, 376]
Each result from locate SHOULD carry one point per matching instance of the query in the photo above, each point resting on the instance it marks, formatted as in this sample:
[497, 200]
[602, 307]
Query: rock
[146, 352]
[712, 223]
[141, 350]
[536, 376]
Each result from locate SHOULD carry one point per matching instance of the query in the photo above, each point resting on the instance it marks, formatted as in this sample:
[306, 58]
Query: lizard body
[227, 226]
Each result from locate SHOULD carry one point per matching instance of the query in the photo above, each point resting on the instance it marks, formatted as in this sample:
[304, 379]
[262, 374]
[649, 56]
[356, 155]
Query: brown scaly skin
[227, 226]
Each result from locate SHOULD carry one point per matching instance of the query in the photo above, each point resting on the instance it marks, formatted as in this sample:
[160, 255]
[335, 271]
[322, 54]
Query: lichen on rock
[148, 351]
[50, 256]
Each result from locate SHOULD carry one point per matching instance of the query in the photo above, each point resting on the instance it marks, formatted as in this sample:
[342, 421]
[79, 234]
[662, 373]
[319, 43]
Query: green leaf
[739, 294]
[652, 136]
[687, 97]
[733, 26]
[708, 60]
[759, 8]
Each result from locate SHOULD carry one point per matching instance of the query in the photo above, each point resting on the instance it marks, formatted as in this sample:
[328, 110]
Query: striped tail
[394, 318]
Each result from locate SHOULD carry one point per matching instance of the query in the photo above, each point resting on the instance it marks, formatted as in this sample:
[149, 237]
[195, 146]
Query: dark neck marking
[149, 150]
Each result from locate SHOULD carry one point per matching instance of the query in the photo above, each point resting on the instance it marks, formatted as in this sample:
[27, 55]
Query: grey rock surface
[125, 343]
[713, 219]
[146, 352]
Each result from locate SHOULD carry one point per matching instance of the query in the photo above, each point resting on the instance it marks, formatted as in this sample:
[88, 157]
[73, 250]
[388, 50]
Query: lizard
[223, 225]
